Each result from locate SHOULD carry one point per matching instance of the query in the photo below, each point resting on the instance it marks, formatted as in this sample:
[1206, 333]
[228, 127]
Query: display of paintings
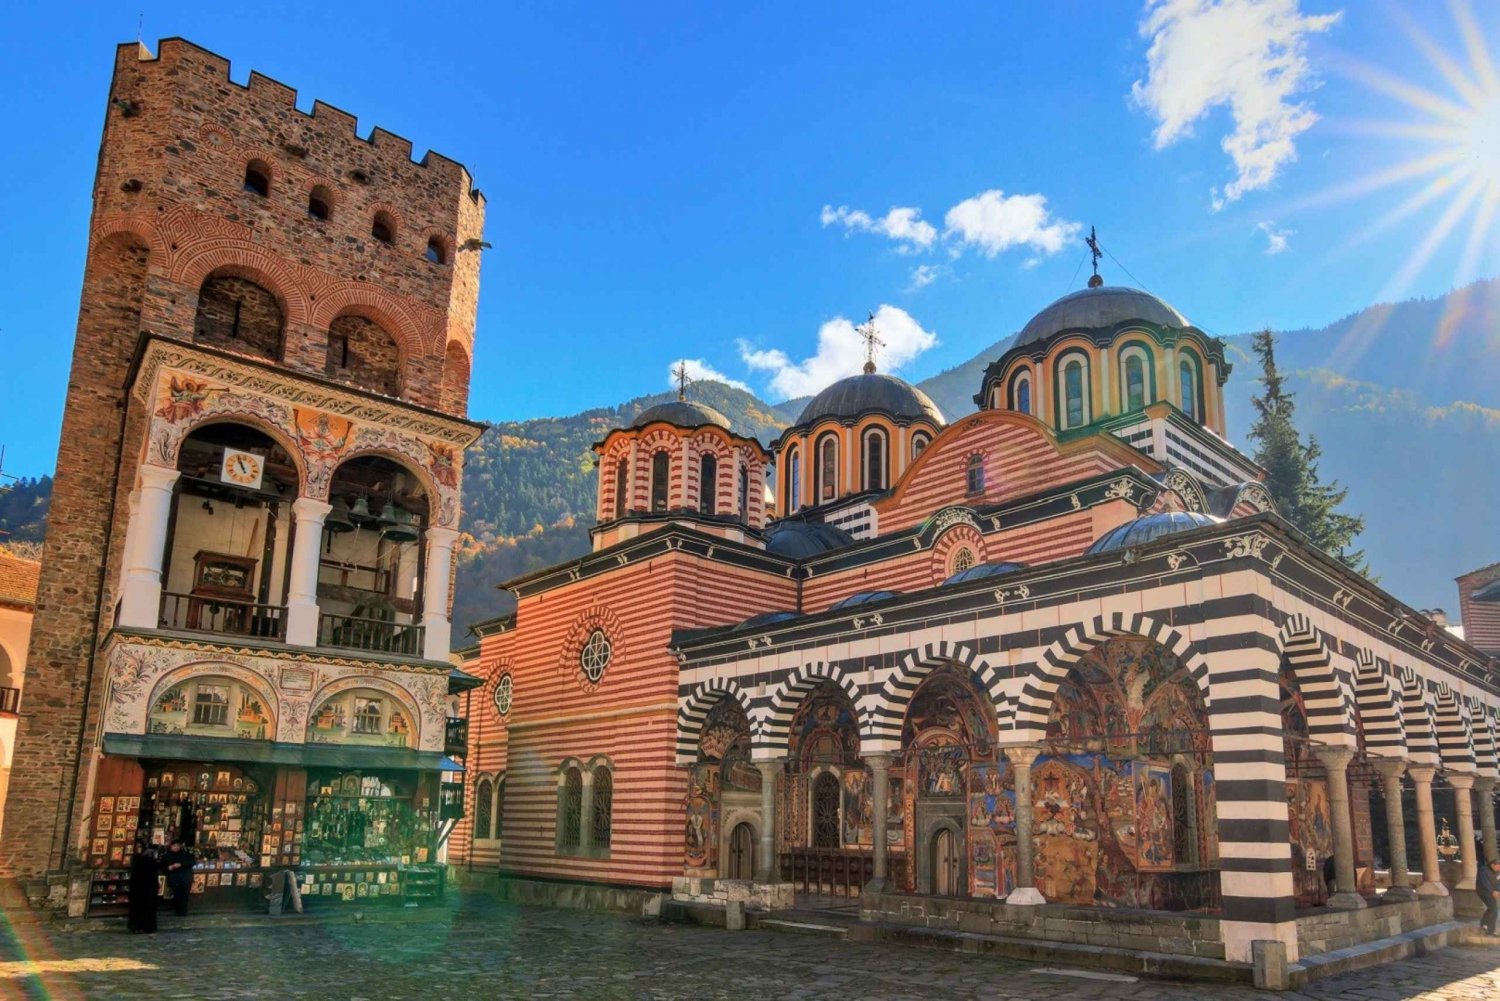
[985, 878]
[106, 804]
[858, 809]
[895, 811]
[701, 837]
[1154, 817]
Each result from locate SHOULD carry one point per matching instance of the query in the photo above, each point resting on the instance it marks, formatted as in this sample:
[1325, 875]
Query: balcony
[10, 702]
[224, 616]
[355, 632]
[456, 737]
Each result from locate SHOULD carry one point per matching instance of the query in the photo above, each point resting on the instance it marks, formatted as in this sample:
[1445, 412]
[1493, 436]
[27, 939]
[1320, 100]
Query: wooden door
[945, 863]
[742, 852]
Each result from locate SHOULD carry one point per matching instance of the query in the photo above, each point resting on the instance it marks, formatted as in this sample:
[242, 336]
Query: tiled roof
[18, 579]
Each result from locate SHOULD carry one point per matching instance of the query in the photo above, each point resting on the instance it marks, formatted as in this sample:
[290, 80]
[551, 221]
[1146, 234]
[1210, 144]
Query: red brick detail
[243, 259]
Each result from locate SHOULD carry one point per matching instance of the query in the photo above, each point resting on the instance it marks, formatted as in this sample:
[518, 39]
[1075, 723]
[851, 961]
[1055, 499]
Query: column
[880, 775]
[1485, 787]
[1021, 756]
[1336, 763]
[766, 869]
[436, 629]
[1390, 770]
[1432, 882]
[302, 585]
[1463, 800]
[145, 540]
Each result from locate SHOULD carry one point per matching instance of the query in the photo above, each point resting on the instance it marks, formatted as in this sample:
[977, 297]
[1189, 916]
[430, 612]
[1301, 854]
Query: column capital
[1460, 780]
[1389, 768]
[442, 537]
[1021, 755]
[1484, 783]
[878, 762]
[157, 477]
[1335, 757]
[1422, 773]
[770, 766]
[310, 508]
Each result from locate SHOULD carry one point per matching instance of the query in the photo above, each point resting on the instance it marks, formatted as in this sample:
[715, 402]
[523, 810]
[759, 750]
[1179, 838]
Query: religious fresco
[824, 733]
[992, 830]
[723, 764]
[700, 836]
[859, 809]
[1309, 821]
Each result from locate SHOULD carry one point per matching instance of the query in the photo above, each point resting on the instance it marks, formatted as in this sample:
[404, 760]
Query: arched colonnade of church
[1116, 770]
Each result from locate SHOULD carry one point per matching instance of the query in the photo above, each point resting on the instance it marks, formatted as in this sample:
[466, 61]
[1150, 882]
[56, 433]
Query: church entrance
[945, 863]
[741, 852]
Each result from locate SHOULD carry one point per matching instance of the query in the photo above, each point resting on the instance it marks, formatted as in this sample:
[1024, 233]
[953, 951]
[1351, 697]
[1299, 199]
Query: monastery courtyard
[480, 948]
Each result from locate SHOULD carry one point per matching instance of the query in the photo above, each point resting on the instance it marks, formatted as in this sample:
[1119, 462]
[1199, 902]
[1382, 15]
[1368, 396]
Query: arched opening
[383, 227]
[372, 568]
[454, 398]
[237, 314]
[708, 484]
[257, 178]
[1126, 758]
[944, 863]
[363, 354]
[826, 796]
[1135, 379]
[1074, 391]
[919, 442]
[974, 475]
[320, 204]
[212, 706]
[661, 480]
[827, 484]
[437, 251]
[1020, 392]
[721, 783]
[362, 717]
[741, 852]
[1309, 816]
[603, 804]
[228, 547]
[826, 791]
[622, 487]
[875, 453]
[570, 810]
[1189, 386]
[744, 494]
[484, 810]
[9, 677]
[793, 498]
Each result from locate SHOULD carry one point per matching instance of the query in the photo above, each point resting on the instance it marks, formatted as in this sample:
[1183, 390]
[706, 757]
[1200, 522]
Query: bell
[399, 524]
[338, 521]
[360, 512]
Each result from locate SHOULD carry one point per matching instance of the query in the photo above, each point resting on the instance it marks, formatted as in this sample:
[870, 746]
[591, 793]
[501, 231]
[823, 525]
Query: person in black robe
[143, 890]
[178, 863]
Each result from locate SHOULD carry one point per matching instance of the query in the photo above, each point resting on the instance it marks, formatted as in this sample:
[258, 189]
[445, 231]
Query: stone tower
[263, 288]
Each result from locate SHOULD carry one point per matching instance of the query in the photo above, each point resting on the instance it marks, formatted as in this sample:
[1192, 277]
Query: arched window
[1135, 382]
[793, 481]
[1074, 392]
[258, 179]
[436, 252]
[570, 810]
[602, 807]
[622, 486]
[1184, 834]
[976, 474]
[919, 443]
[320, 204]
[661, 471]
[499, 806]
[455, 392]
[1020, 393]
[1188, 385]
[874, 459]
[484, 810]
[383, 228]
[744, 494]
[238, 314]
[708, 485]
[362, 353]
[825, 810]
[827, 486]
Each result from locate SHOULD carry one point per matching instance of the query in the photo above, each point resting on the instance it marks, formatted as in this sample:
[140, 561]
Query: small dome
[1149, 528]
[683, 414]
[984, 570]
[799, 540]
[862, 598]
[872, 392]
[1099, 308]
[763, 619]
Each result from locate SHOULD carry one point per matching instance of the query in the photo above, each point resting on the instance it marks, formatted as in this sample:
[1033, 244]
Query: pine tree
[1292, 467]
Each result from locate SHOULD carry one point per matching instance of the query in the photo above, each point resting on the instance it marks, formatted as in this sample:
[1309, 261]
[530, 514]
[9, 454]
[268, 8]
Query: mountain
[23, 509]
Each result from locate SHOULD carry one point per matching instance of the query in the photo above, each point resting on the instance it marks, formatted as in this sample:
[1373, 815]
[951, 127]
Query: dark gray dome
[1099, 308]
[798, 540]
[683, 414]
[983, 570]
[1152, 526]
[869, 393]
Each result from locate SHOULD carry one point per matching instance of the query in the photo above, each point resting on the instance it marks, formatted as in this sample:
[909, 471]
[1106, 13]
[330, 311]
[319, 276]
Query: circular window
[595, 655]
[503, 690]
[962, 560]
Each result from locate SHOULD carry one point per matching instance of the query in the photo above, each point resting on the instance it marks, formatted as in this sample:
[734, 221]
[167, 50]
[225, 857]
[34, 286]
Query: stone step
[803, 928]
[1417, 942]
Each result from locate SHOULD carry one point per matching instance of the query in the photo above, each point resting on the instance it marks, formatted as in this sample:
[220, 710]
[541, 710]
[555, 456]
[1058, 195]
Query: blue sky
[669, 181]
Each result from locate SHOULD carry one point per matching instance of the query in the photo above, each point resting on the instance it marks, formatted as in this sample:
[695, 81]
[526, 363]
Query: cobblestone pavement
[480, 949]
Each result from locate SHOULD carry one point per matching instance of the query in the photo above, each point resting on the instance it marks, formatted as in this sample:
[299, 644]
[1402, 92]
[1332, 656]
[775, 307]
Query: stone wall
[569, 896]
[1327, 931]
[758, 896]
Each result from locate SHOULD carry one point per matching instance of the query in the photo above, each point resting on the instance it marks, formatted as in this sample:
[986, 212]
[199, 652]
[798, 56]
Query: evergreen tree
[1292, 467]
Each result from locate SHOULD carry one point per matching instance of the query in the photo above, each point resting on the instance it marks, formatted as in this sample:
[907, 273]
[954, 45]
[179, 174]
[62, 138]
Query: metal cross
[680, 373]
[1093, 242]
[871, 337]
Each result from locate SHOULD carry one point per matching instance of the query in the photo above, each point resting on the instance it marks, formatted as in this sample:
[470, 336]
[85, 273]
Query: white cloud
[699, 370]
[993, 222]
[841, 353]
[903, 225]
[1247, 55]
[1276, 239]
[922, 276]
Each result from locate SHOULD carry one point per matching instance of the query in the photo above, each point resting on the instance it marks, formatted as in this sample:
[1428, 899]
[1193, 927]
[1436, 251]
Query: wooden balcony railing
[355, 632]
[10, 701]
[225, 616]
[456, 736]
[827, 873]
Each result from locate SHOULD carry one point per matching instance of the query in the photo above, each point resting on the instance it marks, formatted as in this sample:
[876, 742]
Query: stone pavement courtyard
[479, 949]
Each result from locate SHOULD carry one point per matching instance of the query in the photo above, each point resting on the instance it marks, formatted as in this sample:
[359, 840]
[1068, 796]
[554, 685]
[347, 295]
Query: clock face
[244, 469]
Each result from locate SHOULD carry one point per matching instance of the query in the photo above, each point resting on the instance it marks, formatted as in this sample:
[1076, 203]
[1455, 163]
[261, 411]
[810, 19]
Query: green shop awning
[265, 752]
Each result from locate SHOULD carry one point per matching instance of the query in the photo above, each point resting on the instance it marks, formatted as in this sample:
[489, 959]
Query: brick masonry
[176, 237]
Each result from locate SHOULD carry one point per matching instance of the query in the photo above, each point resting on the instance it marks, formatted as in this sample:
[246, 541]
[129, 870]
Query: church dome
[871, 392]
[683, 414]
[1149, 528]
[1097, 309]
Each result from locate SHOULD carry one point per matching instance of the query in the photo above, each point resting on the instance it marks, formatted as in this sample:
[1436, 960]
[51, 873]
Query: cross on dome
[1093, 241]
[680, 373]
[873, 343]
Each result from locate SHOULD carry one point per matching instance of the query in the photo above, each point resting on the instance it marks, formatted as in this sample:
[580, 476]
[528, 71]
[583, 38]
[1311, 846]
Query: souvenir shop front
[352, 823]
